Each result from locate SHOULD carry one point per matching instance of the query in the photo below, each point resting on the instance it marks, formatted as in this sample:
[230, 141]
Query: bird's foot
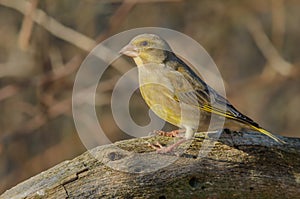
[157, 146]
[174, 133]
[162, 149]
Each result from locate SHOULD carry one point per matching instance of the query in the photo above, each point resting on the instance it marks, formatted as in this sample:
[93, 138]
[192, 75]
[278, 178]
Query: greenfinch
[175, 93]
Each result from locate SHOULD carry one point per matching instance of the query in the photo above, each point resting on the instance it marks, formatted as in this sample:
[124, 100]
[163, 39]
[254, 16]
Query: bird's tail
[242, 119]
[263, 131]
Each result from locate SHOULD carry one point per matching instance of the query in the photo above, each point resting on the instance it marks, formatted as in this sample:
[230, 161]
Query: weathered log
[240, 165]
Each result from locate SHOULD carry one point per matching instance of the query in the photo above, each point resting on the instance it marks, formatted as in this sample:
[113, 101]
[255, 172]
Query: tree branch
[241, 165]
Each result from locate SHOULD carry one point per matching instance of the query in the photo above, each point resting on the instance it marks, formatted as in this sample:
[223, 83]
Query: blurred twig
[8, 91]
[27, 24]
[278, 22]
[27, 108]
[57, 108]
[64, 106]
[118, 18]
[50, 24]
[60, 72]
[120, 14]
[262, 41]
[65, 33]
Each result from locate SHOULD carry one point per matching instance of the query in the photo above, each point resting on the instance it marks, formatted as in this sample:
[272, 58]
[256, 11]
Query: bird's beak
[130, 51]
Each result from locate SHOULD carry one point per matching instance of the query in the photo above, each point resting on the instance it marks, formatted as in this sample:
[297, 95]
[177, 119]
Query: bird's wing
[205, 98]
[202, 96]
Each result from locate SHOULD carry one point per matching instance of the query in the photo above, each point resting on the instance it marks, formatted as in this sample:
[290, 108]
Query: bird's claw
[156, 146]
[175, 133]
[160, 148]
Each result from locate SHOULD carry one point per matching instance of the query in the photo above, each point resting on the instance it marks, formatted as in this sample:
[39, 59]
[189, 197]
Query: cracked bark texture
[237, 165]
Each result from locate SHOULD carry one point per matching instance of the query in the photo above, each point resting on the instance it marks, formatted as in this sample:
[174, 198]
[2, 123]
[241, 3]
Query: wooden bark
[240, 165]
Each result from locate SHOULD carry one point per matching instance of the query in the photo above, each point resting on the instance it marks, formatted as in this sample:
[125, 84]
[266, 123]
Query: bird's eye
[144, 43]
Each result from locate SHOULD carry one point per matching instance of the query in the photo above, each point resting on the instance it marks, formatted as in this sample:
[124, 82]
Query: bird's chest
[155, 86]
[158, 91]
[155, 76]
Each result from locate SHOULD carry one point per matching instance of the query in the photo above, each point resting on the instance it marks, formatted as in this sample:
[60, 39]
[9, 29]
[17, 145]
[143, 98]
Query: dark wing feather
[202, 95]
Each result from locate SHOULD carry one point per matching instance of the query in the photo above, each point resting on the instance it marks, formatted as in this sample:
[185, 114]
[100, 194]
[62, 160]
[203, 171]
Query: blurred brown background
[254, 43]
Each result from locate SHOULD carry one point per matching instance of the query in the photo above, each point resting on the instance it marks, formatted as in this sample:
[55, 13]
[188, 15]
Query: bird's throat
[138, 61]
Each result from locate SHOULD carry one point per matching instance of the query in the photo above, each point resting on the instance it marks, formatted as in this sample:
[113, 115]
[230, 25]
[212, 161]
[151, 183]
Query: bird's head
[147, 48]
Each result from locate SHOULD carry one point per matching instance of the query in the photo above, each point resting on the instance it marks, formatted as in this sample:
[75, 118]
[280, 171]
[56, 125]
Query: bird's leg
[156, 146]
[171, 147]
[161, 149]
[174, 133]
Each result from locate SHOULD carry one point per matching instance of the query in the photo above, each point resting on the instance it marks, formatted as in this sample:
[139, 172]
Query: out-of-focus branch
[262, 41]
[68, 34]
[278, 22]
[118, 18]
[27, 24]
[50, 24]
[61, 72]
[58, 108]
[8, 91]
[121, 13]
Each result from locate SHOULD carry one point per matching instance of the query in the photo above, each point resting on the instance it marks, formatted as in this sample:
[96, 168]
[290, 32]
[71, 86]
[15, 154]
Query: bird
[177, 94]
